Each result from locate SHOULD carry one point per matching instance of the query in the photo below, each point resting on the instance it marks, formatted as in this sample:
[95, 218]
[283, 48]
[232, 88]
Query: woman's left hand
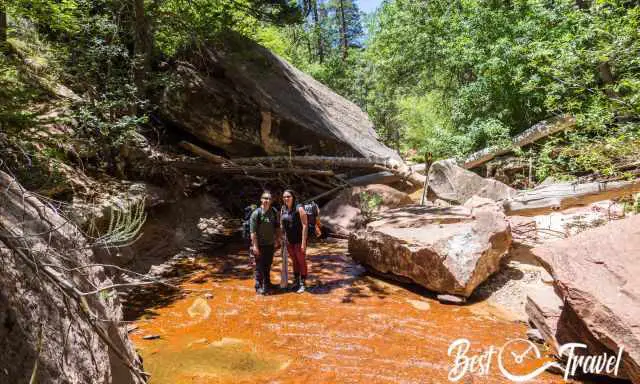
[303, 248]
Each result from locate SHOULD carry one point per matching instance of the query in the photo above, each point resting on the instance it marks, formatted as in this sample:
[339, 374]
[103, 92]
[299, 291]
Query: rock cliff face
[238, 96]
[41, 320]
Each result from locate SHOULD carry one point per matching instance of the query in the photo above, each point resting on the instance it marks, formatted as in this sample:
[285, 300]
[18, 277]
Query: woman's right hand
[255, 250]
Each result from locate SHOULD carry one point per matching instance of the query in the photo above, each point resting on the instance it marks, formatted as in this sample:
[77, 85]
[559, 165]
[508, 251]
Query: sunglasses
[286, 197]
[265, 198]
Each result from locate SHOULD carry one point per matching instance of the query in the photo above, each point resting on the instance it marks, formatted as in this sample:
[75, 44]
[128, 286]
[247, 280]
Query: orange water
[349, 328]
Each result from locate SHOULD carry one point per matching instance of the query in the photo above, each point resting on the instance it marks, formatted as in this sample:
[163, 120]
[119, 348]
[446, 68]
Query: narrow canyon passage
[349, 327]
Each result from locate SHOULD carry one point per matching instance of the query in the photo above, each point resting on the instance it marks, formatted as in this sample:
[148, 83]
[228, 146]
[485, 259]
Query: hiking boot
[268, 286]
[301, 287]
[296, 282]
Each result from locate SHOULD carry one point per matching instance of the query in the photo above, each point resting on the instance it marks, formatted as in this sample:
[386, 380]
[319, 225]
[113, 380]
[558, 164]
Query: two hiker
[265, 226]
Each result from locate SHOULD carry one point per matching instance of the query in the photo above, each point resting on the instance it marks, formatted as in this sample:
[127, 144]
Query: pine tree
[317, 31]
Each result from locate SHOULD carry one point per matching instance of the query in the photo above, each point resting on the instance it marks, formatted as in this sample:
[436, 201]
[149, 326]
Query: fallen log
[321, 161]
[206, 169]
[327, 193]
[249, 164]
[384, 164]
[408, 174]
[319, 183]
[538, 131]
[560, 196]
[384, 177]
[201, 152]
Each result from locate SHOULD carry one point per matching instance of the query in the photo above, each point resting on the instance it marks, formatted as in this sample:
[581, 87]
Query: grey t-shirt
[264, 225]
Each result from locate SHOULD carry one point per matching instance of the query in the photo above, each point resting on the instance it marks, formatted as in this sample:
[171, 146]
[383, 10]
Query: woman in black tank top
[294, 224]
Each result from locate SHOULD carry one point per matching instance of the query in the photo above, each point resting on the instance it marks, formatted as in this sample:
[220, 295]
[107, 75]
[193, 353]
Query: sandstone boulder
[595, 273]
[558, 325]
[447, 250]
[343, 214]
[453, 183]
[36, 311]
[240, 97]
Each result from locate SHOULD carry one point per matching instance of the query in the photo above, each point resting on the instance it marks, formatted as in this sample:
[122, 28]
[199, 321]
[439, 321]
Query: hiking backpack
[246, 222]
[312, 211]
[246, 225]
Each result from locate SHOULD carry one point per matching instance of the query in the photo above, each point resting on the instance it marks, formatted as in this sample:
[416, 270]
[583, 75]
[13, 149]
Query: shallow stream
[350, 327]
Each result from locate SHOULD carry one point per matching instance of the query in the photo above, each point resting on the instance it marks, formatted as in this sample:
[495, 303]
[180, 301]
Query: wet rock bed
[349, 327]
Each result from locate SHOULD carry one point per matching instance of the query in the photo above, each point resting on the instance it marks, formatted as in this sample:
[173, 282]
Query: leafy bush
[369, 205]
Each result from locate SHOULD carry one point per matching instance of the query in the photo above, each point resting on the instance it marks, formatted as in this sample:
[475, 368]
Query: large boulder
[453, 183]
[343, 214]
[595, 275]
[43, 318]
[240, 97]
[447, 250]
[558, 324]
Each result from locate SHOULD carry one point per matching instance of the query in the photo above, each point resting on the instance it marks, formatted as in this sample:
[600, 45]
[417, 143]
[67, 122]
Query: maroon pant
[299, 262]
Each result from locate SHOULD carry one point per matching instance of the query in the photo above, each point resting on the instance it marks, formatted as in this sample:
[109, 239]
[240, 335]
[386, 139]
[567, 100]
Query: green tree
[3, 28]
[499, 67]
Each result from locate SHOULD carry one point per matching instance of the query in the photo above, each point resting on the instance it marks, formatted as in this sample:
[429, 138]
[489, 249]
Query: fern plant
[124, 226]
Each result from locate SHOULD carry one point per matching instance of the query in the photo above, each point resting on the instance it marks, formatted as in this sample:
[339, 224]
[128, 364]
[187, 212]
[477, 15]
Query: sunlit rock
[447, 250]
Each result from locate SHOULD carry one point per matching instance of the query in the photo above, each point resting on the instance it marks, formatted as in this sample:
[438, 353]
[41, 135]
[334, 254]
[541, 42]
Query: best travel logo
[520, 360]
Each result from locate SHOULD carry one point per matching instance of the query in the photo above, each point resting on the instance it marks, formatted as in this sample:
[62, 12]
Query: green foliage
[447, 77]
[178, 22]
[124, 225]
[53, 16]
[575, 153]
[454, 77]
[90, 48]
[476, 72]
[15, 93]
[315, 46]
[369, 205]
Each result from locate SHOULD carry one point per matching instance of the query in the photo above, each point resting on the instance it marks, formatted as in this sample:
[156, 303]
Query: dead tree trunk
[531, 135]
[200, 168]
[142, 47]
[317, 31]
[561, 196]
[343, 31]
[258, 165]
[384, 177]
[203, 153]
[3, 30]
[319, 161]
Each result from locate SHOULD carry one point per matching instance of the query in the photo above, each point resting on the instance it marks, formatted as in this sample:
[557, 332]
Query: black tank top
[292, 224]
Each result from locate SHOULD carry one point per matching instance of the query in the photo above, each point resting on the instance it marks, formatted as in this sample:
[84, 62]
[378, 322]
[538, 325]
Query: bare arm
[278, 230]
[317, 224]
[254, 235]
[254, 244]
[305, 227]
